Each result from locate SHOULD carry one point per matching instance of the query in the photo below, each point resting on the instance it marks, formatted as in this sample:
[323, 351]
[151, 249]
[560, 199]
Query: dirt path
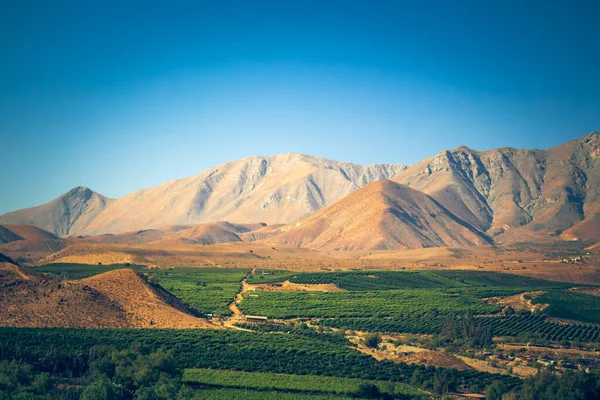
[233, 306]
[18, 272]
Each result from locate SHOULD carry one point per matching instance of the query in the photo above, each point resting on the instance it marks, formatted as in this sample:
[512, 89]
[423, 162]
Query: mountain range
[275, 189]
[459, 197]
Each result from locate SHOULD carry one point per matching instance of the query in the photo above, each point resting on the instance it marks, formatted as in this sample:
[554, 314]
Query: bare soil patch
[288, 286]
[408, 354]
[520, 301]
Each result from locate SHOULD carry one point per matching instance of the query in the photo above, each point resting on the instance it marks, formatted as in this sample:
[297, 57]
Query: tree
[369, 391]
[495, 391]
[42, 383]
[100, 389]
[372, 340]
[448, 327]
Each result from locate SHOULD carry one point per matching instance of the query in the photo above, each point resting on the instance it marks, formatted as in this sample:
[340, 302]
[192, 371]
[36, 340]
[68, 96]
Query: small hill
[265, 232]
[144, 306]
[218, 232]
[138, 237]
[6, 259]
[29, 300]
[382, 215]
[65, 215]
[7, 236]
[116, 299]
[29, 242]
[212, 233]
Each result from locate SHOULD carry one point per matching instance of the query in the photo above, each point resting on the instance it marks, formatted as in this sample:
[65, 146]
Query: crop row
[247, 394]
[207, 290]
[389, 280]
[362, 304]
[49, 349]
[514, 326]
[542, 327]
[288, 382]
[571, 305]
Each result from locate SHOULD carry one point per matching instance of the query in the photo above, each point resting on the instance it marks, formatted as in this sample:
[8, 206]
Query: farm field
[304, 352]
[245, 394]
[530, 328]
[207, 290]
[570, 305]
[294, 353]
[295, 383]
[389, 303]
[389, 294]
[67, 271]
[387, 280]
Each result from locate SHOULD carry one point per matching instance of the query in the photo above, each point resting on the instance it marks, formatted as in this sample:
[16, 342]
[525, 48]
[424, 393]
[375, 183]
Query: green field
[389, 303]
[243, 394]
[270, 276]
[389, 280]
[68, 351]
[79, 271]
[571, 305]
[295, 383]
[207, 290]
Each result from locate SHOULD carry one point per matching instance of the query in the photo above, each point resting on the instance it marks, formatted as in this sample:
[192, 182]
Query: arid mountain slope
[28, 241]
[382, 215]
[218, 232]
[511, 195]
[275, 189]
[7, 236]
[211, 233]
[64, 215]
[6, 259]
[116, 299]
[144, 306]
[515, 194]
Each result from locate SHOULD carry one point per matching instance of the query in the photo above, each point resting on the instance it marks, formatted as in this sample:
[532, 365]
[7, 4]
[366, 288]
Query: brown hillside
[29, 242]
[517, 195]
[382, 215]
[213, 233]
[138, 237]
[265, 232]
[33, 301]
[143, 306]
[218, 232]
[116, 299]
[7, 236]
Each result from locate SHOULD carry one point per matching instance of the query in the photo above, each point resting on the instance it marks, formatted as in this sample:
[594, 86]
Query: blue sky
[123, 95]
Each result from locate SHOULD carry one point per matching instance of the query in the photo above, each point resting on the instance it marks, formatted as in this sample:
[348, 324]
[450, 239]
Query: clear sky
[122, 95]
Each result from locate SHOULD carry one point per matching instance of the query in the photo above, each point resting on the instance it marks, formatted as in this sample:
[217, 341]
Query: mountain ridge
[274, 189]
[63, 215]
[517, 194]
[509, 194]
[383, 215]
